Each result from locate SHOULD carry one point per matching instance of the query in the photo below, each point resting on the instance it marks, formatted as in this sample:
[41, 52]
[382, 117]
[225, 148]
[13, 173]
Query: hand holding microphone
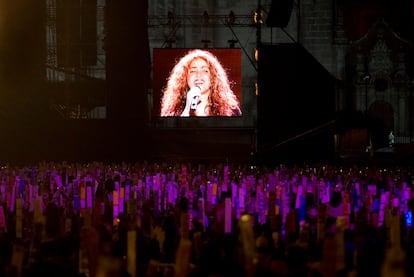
[192, 96]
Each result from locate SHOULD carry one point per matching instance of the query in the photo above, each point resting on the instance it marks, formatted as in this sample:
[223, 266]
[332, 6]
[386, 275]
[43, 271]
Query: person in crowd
[198, 85]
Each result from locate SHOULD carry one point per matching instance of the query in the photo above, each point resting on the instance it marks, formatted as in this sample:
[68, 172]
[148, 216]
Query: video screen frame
[164, 60]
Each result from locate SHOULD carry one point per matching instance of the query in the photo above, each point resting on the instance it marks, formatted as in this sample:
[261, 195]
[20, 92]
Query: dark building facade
[86, 77]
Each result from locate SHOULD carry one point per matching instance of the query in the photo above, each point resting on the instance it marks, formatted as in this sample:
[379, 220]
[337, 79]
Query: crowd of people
[184, 219]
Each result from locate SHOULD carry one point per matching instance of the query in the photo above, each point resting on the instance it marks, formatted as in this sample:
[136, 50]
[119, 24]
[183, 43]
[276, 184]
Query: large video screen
[197, 82]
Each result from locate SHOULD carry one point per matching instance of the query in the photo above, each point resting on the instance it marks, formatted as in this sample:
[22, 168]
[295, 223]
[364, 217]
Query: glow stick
[272, 211]
[3, 191]
[381, 209]
[228, 216]
[394, 263]
[395, 202]
[89, 197]
[210, 197]
[347, 208]
[2, 219]
[329, 256]
[298, 195]
[182, 260]
[190, 209]
[285, 205]
[340, 246]
[184, 176]
[37, 214]
[127, 192]
[121, 202]
[19, 219]
[82, 197]
[248, 244]
[260, 201]
[226, 175]
[215, 193]
[12, 198]
[233, 193]
[201, 206]
[131, 252]
[18, 258]
[115, 202]
[302, 211]
[31, 198]
[242, 195]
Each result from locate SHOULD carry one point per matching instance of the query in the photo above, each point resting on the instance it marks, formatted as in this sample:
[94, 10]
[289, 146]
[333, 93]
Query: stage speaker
[296, 98]
[279, 13]
[126, 46]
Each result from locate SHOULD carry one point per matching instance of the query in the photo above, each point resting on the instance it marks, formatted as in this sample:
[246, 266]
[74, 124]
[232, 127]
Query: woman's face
[199, 75]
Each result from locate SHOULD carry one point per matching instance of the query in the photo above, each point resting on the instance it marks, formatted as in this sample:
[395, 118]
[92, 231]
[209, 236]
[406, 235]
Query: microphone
[194, 100]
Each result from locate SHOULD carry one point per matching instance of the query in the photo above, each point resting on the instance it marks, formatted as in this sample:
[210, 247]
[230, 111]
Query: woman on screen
[198, 85]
